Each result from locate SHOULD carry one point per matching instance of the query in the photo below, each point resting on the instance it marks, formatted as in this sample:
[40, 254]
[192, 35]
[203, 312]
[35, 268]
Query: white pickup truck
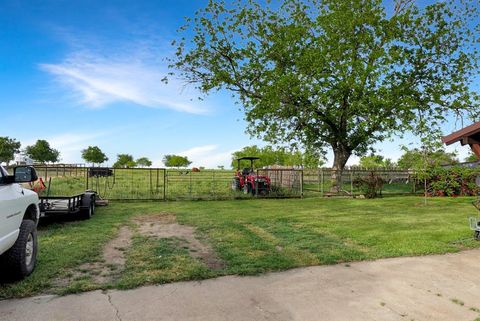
[19, 214]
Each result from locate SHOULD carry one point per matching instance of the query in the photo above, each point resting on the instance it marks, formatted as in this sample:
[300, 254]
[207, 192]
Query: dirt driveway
[444, 287]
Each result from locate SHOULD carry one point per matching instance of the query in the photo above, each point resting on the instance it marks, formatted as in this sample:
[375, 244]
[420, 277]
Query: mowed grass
[251, 237]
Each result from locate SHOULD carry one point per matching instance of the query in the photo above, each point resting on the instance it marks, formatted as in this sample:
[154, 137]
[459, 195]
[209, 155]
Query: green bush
[454, 181]
[371, 185]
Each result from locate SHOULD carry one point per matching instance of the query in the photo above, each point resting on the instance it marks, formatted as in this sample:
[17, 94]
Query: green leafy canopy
[144, 162]
[125, 161]
[342, 74]
[8, 148]
[42, 152]
[176, 161]
[278, 156]
[94, 154]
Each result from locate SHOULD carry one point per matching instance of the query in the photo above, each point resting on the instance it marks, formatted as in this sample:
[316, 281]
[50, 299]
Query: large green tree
[42, 152]
[124, 161]
[375, 161]
[94, 155]
[176, 161]
[278, 156]
[420, 159]
[8, 148]
[143, 162]
[338, 74]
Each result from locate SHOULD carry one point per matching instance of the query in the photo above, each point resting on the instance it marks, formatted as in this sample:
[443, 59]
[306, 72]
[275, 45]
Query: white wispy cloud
[99, 79]
[209, 156]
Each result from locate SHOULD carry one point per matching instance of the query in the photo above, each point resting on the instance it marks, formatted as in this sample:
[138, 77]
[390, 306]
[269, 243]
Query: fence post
[151, 183]
[318, 179]
[301, 183]
[351, 183]
[190, 185]
[213, 184]
[321, 182]
[164, 184]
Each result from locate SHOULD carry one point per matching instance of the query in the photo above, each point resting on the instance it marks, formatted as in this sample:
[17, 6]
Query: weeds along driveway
[126, 245]
[428, 288]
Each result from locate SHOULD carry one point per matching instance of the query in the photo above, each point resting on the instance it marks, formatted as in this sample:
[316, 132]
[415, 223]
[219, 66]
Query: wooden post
[318, 180]
[301, 183]
[351, 182]
[321, 182]
[476, 149]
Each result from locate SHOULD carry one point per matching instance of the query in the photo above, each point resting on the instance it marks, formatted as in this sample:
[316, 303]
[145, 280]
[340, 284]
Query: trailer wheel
[93, 199]
[20, 260]
[88, 206]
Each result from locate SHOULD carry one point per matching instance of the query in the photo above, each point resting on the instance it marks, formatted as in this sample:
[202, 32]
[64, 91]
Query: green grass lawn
[251, 237]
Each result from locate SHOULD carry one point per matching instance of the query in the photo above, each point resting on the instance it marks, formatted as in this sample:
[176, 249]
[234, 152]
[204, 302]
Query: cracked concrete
[117, 312]
[413, 288]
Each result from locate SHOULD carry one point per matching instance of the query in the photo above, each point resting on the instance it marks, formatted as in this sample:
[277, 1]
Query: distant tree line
[282, 156]
[416, 158]
[40, 152]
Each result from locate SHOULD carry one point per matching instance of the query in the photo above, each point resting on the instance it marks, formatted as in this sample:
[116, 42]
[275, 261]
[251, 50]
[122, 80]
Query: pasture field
[160, 242]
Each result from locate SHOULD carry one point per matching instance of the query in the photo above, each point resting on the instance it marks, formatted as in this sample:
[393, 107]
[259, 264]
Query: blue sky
[81, 73]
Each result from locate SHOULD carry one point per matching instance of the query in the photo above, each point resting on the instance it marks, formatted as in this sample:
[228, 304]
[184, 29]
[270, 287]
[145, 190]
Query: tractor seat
[246, 171]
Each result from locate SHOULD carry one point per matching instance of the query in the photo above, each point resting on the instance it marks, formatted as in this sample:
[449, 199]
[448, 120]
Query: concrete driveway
[444, 287]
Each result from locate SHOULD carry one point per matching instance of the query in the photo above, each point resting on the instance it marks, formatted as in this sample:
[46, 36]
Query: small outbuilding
[469, 135]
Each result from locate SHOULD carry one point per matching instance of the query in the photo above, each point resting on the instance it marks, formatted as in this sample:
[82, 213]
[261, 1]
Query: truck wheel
[21, 258]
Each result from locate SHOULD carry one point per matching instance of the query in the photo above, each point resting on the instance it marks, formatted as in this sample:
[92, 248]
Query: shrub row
[454, 181]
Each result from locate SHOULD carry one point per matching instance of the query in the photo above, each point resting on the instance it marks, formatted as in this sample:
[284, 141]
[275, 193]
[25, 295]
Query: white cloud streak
[98, 81]
[208, 156]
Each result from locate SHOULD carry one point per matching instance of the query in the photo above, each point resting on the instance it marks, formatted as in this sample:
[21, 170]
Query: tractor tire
[20, 260]
[236, 185]
[476, 235]
[247, 189]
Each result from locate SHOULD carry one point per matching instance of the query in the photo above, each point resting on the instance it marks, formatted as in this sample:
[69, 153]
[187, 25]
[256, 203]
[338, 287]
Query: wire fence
[185, 184]
[160, 183]
[395, 181]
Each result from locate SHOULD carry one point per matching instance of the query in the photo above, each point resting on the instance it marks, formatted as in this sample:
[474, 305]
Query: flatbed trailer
[81, 205]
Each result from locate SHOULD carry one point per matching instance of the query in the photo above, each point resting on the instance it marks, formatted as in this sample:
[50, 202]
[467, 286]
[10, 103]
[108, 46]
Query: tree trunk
[340, 158]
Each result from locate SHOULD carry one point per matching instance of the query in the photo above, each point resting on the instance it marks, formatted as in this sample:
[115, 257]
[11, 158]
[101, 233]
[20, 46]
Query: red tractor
[247, 181]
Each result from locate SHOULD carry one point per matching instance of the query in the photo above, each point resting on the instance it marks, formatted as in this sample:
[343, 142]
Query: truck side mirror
[24, 174]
